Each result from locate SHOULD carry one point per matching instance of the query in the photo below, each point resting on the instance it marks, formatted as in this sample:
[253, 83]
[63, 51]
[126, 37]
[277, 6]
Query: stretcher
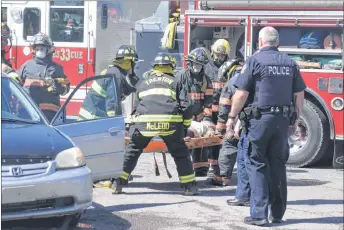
[158, 145]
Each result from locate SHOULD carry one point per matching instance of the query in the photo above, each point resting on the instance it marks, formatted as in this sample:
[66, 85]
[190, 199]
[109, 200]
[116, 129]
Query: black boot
[190, 189]
[117, 185]
[201, 172]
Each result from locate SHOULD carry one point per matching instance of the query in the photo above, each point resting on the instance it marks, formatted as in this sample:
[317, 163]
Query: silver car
[48, 169]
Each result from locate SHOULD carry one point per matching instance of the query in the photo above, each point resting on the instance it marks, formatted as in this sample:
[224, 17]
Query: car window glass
[67, 21]
[95, 99]
[14, 103]
[32, 23]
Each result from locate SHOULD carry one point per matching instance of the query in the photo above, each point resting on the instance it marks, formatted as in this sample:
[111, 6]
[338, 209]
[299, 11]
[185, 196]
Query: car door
[101, 138]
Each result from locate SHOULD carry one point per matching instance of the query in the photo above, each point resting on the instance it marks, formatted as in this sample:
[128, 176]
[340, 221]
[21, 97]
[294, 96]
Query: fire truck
[320, 135]
[87, 33]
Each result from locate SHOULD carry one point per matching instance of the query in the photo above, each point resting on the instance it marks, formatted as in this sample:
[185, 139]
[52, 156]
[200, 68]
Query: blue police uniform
[271, 78]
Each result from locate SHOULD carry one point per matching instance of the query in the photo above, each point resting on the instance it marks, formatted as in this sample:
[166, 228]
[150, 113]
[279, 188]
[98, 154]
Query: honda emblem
[16, 171]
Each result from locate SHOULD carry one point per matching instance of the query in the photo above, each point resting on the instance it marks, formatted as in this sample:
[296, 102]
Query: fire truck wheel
[310, 141]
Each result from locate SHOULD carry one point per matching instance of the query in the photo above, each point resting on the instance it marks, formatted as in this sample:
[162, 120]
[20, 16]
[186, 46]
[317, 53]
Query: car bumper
[62, 192]
[338, 157]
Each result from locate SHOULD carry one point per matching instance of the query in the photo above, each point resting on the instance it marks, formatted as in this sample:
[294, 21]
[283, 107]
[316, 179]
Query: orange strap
[49, 106]
[218, 85]
[197, 165]
[34, 82]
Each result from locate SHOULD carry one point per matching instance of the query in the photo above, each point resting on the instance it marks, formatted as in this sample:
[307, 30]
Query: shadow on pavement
[126, 207]
[321, 220]
[306, 182]
[315, 202]
[99, 218]
[174, 188]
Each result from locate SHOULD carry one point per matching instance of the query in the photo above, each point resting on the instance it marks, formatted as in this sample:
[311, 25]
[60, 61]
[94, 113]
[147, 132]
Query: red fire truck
[84, 33]
[320, 134]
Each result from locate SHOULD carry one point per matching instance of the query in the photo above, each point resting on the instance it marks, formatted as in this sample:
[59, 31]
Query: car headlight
[70, 158]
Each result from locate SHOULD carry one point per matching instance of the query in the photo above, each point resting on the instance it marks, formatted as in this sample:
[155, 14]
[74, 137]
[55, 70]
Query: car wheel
[310, 141]
[75, 220]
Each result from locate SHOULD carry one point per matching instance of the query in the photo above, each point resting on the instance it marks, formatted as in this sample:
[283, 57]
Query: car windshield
[15, 107]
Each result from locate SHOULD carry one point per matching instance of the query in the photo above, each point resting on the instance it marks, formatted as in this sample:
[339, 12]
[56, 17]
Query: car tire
[315, 126]
[75, 220]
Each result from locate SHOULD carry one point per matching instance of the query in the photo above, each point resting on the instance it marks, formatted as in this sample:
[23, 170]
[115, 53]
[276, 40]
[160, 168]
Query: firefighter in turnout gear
[163, 109]
[100, 100]
[43, 78]
[5, 65]
[228, 153]
[219, 55]
[200, 90]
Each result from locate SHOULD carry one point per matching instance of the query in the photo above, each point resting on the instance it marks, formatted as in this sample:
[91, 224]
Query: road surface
[315, 201]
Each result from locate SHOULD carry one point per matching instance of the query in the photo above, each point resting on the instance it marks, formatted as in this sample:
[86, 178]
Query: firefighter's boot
[213, 178]
[190, 189]
[117, 185]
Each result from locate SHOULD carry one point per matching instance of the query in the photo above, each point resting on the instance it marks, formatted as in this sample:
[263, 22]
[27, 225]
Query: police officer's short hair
[269, 35]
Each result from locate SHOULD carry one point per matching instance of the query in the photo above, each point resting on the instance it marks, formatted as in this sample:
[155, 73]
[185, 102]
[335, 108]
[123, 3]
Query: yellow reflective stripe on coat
[187, 178]
[156, 133]
[96, 87]
[158, 91]
[87, 115]
[187, 122]
[111, 113]
[14, 76]
[158, 118]
[124, 175]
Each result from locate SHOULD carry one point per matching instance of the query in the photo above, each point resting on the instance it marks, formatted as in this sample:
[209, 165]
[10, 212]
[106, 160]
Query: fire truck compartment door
[100, 138]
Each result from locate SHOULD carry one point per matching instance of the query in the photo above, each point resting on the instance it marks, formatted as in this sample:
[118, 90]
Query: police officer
[100, 101]
[164, 110]
[269, 80]
[219, 55]
[5, 65]
[228, 152]
[201, 93]
[43, 78]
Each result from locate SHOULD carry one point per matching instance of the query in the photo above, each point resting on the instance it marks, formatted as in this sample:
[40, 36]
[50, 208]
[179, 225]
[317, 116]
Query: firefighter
[5, 65]
[43, 78]
[228, 153]
[163, 109]
[201, 93]
[219, 55]
[100, 100]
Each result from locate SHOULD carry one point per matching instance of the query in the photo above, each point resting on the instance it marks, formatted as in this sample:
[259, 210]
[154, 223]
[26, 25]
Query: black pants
[268, 154]
[175, 145]
[200, 159]
[213, 155]
[227, 157]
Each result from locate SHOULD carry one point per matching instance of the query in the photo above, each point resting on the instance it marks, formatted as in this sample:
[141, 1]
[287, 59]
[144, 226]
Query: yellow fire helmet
[221, 46]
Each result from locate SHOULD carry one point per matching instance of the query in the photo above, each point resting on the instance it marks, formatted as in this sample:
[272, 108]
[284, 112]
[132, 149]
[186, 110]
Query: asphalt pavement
[315, 201]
